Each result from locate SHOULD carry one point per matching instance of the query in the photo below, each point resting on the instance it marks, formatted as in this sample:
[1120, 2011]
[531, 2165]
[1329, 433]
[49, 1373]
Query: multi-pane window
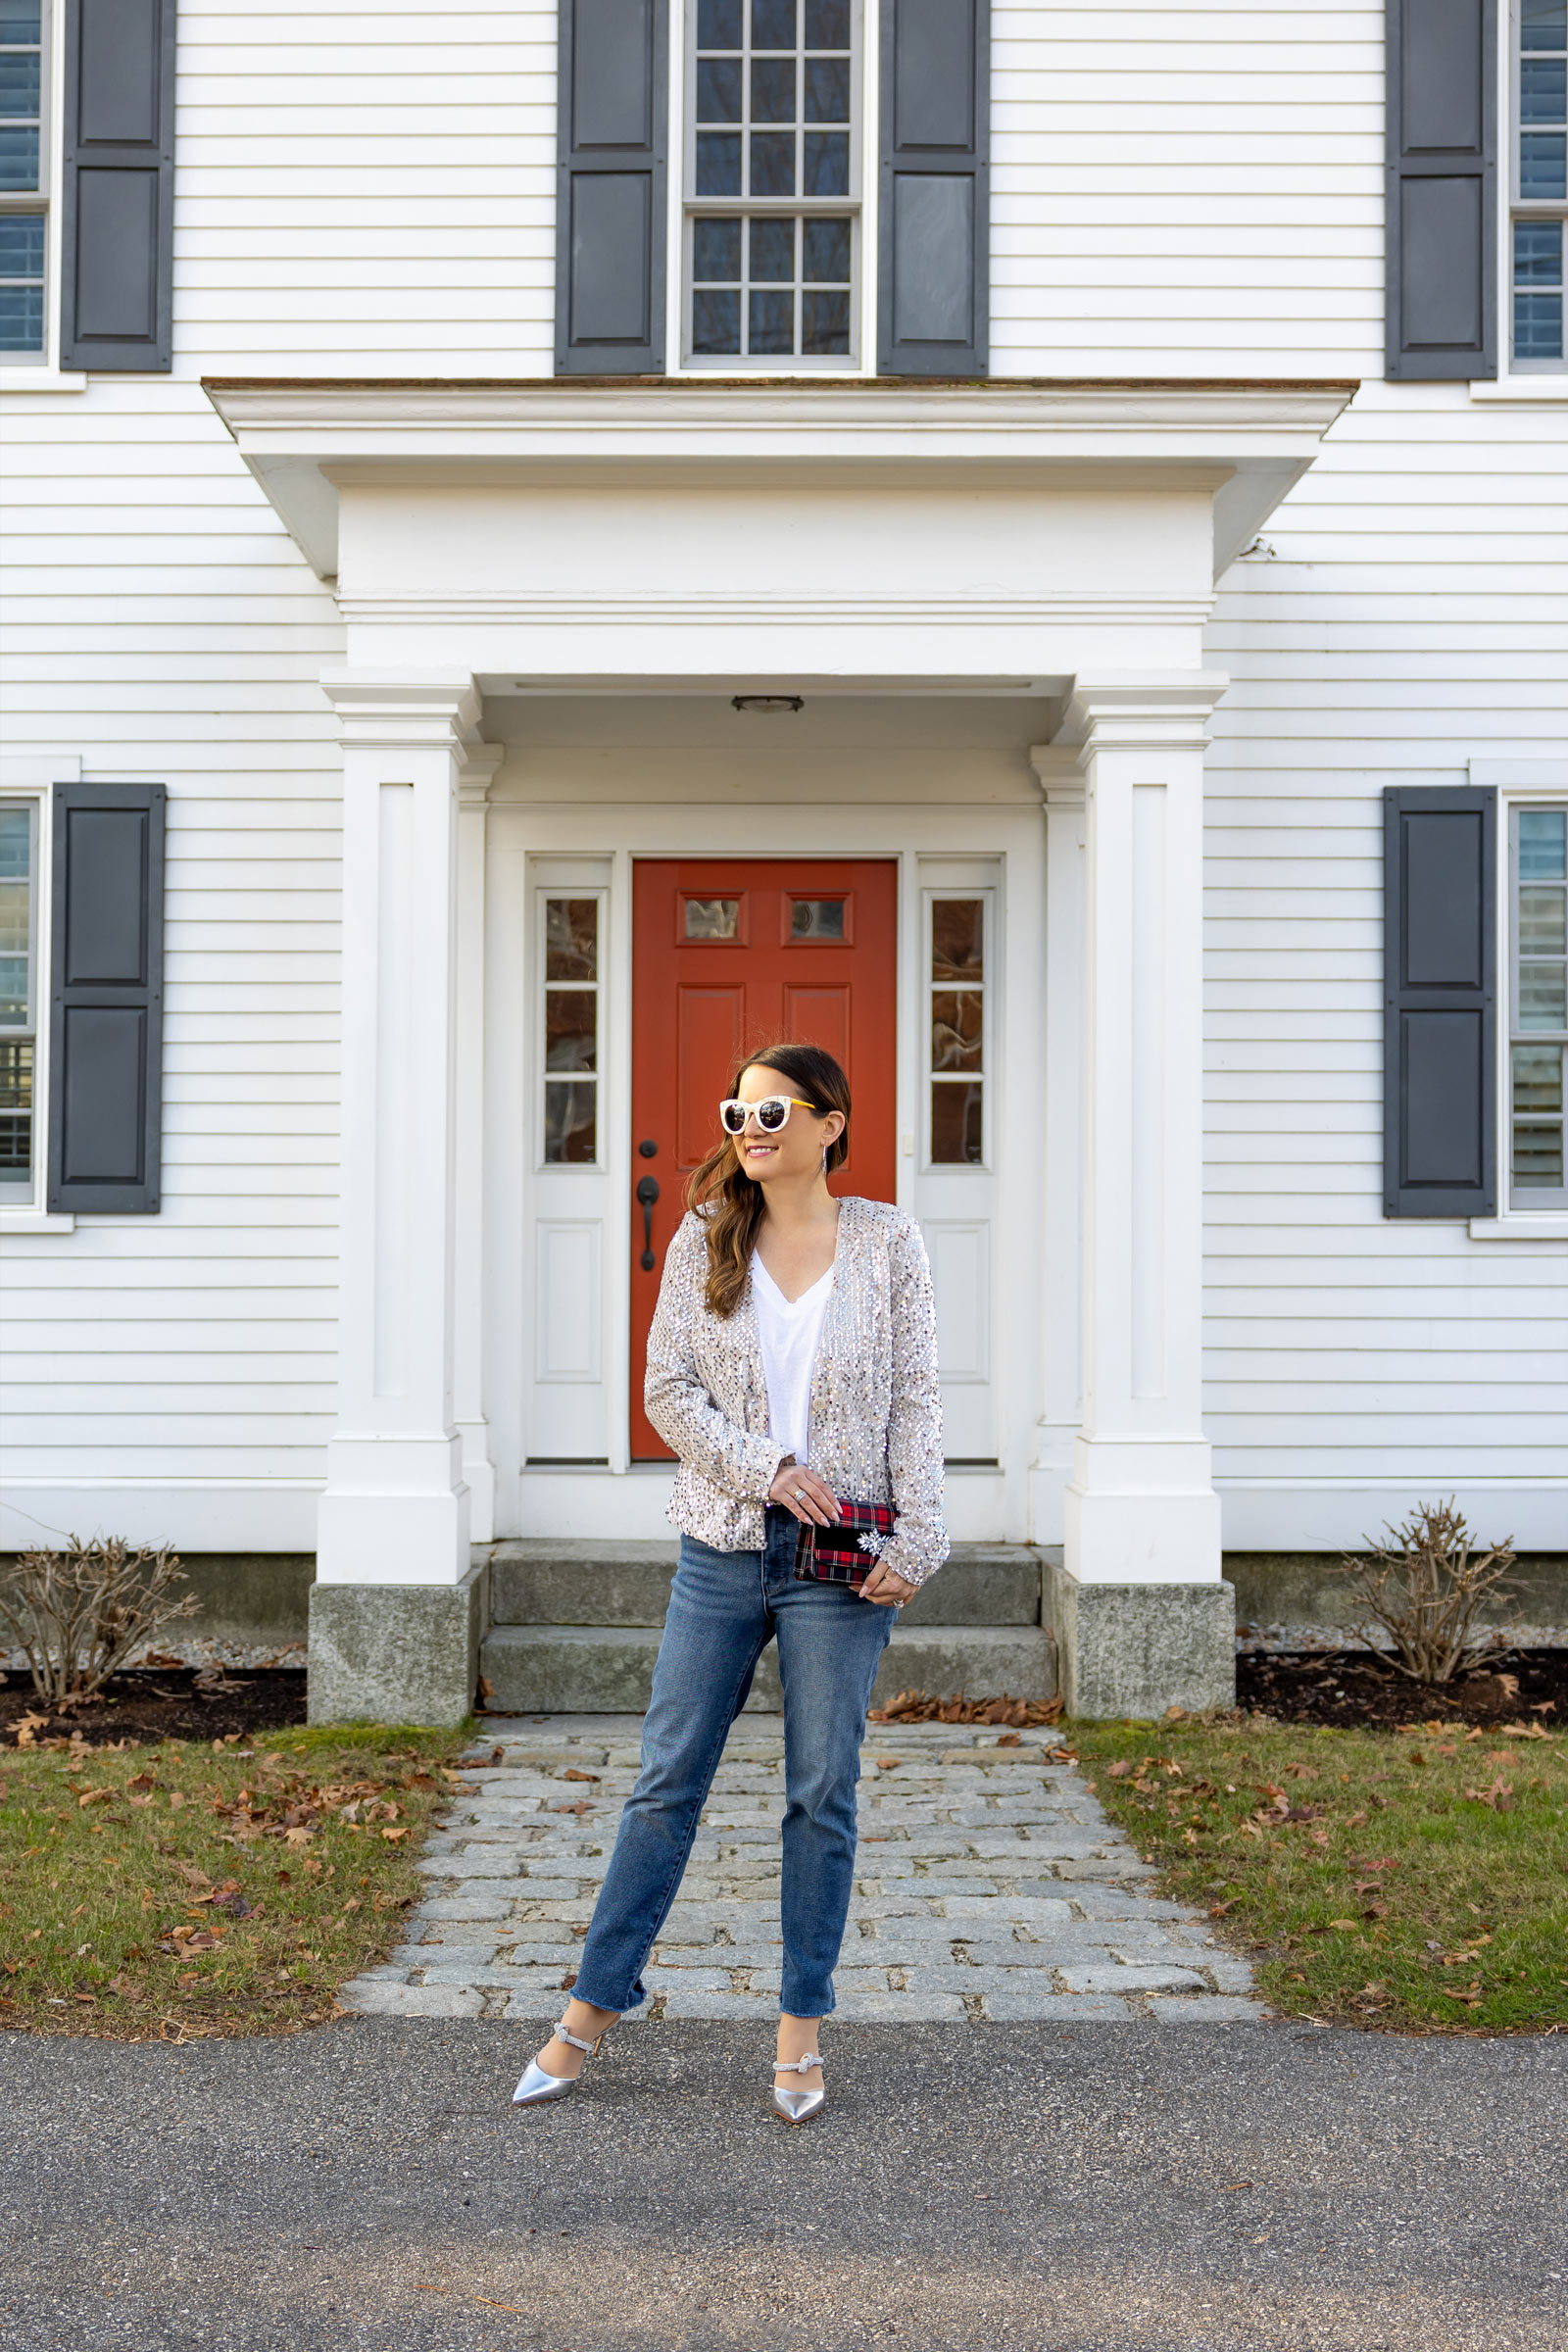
[1540, 209]
[1538, 1043]
[772, 181]
[22, 181]
[18, 993]
[571, 1029]
[958, 1008]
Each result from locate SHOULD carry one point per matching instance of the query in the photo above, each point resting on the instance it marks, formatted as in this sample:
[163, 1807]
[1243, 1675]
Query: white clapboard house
[1017, 541]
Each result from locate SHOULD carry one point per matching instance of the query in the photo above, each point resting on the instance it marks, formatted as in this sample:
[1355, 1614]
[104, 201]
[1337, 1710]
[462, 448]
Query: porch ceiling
[1245, 442]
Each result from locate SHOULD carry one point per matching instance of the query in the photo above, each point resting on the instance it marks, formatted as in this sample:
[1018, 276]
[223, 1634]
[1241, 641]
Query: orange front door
[729, 955]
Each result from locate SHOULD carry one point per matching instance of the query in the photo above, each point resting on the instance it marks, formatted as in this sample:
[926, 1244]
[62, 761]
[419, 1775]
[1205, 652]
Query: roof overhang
[1250, 442]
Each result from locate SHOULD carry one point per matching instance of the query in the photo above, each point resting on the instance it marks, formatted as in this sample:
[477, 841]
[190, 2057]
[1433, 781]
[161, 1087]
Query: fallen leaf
[1120, 1769]
[1012, 1738]
[93, 1796]
[581, 1807]
[571, 1773]
[1524, 1730]
[298, 1836]
[1344, 1923]
[392, 1835]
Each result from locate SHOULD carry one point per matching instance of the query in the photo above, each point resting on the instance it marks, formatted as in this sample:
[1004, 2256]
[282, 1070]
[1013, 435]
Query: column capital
[1060, 787]
[478, 772]
[1161, 711]
[388, 710]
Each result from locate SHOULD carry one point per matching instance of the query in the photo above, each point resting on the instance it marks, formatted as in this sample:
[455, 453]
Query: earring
[824, 1159]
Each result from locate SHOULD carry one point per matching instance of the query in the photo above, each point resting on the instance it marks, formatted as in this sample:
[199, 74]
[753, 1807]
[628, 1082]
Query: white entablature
[999, 534]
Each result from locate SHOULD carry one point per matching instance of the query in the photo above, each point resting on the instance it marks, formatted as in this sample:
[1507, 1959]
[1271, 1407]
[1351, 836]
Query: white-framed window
[1535, 965]
[957, 1028]
[1537, 210]
[24, 181]
[21, 1142]
[572, 1001]
[771, 202]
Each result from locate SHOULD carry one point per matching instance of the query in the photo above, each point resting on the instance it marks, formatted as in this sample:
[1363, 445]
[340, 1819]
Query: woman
[792, 1365]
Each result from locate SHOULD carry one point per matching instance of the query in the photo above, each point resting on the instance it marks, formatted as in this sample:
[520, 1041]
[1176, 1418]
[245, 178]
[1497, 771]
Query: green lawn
[1411, 1881]
[180, 1890]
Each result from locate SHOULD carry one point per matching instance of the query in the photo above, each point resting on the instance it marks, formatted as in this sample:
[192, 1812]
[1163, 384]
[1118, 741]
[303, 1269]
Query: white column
[474, 779]
[396, 1508]
[1141, 1504]
[1063, 1254]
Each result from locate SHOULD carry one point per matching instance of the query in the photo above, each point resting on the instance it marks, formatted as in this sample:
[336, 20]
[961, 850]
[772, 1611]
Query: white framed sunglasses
[770, 1115]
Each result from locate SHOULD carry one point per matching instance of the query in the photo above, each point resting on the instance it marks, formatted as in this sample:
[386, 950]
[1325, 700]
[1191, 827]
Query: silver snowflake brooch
[874, 1543]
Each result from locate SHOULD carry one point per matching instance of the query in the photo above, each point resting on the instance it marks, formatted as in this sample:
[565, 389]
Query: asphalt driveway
[1180, 2188]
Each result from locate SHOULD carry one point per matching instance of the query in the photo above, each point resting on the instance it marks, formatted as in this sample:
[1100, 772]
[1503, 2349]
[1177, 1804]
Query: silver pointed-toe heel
[797, 2106]
[536, 2086]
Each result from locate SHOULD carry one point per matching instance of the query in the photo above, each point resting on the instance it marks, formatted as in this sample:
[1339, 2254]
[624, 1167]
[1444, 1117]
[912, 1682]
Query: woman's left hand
[885, 1587]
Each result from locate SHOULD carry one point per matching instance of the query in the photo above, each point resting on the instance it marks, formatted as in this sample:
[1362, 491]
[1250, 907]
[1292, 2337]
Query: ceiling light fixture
[768, 702]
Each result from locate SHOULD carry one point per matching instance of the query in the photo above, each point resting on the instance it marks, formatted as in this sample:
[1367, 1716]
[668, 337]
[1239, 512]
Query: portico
[990, 600]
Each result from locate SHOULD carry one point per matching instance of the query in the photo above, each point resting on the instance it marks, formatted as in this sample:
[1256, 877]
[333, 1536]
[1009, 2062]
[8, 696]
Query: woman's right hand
[802, 1494]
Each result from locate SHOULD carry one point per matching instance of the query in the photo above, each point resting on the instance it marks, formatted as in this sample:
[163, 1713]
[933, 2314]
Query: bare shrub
[1424, 1589]
[77, 1614]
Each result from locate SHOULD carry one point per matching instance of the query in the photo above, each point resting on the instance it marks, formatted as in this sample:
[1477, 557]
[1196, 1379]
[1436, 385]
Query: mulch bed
[1338, 1688]
[162, 1702]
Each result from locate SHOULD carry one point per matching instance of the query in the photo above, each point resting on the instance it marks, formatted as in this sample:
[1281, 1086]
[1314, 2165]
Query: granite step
[550, 1581]
[596, 1669]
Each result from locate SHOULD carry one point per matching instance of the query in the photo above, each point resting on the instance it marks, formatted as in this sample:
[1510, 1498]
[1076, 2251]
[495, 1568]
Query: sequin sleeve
[742, 1463]
[914, 1422]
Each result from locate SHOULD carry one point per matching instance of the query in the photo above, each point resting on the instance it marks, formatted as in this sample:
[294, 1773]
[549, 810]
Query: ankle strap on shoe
[577, 2041]
[796, 2066]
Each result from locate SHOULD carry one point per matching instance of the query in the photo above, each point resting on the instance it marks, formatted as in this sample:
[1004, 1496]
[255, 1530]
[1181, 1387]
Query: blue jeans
[724, 1608]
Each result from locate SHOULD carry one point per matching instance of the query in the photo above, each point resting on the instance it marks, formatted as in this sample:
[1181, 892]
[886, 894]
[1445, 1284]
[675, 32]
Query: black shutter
[1440, 235]
[934, 273]
[118, 240]
[1440, 1110]
[613, 101]
[106, 997]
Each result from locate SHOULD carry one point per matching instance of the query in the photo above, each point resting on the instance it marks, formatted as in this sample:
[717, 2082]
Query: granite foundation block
[1136, 1649]
[396, 1653]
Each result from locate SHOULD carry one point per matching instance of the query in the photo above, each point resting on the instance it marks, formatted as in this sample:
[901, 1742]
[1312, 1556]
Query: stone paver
[990, 1885]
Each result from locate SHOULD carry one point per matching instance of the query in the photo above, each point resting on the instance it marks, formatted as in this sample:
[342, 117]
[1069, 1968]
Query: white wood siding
[366, 189]
[1180, 191]
[1410, 617]
[163, 626]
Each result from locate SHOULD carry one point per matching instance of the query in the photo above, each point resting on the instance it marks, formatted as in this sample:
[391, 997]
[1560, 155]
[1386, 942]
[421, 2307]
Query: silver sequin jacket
[876, 1410]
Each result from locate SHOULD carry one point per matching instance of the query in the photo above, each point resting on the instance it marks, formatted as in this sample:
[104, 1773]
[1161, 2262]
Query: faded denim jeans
[724, 1608]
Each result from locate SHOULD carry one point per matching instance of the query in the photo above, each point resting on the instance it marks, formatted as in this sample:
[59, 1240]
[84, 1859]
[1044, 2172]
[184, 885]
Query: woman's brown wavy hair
[732, 1199]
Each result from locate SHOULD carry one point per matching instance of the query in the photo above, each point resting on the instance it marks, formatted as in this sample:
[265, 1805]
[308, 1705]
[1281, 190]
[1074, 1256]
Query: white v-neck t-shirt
[790, 1331]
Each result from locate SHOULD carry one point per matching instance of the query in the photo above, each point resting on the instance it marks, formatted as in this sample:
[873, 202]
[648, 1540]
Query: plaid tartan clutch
[845, 1554]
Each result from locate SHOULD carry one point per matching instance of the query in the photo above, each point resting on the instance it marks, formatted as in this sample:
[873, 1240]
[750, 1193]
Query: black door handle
[648, 1193]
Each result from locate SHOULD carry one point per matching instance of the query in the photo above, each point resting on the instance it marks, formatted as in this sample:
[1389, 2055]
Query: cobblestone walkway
[990, 1885]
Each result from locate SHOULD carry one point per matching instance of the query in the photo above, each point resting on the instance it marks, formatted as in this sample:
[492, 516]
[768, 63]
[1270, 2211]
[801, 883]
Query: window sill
[1530, 391]
[1540, 1225]
[36, 1220]
[40, 379]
